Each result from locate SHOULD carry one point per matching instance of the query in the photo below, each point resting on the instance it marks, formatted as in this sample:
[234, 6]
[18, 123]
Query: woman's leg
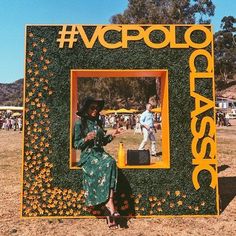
[110, 203]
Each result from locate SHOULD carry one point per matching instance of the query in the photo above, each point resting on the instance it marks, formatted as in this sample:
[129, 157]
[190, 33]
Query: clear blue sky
[15, 14]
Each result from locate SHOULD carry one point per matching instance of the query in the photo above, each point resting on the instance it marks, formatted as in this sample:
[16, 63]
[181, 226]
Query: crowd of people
[128, 121]
[9, 122]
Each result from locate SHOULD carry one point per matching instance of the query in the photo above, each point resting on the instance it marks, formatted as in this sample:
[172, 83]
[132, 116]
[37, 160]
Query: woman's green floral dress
[99, 168]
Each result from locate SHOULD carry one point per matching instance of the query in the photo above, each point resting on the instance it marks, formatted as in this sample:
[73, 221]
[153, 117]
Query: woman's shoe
[111, 223]
[115, 214]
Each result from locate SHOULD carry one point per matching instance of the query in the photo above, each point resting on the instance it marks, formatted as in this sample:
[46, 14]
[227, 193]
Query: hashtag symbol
[67, 36]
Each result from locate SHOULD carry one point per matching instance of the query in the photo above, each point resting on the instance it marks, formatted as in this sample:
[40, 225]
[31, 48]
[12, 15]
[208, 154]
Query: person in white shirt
[147, 122]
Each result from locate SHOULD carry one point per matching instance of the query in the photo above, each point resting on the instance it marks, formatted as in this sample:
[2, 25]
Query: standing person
[99, 168]
[13, 122]
[19, 122]
[147, 122]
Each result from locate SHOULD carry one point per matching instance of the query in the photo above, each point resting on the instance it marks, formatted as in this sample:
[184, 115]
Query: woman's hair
[84, 124]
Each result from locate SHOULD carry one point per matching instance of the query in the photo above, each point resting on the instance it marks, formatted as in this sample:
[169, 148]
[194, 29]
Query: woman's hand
[91, 135]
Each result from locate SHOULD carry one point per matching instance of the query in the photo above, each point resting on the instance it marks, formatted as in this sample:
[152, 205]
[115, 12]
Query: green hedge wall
[50, 187]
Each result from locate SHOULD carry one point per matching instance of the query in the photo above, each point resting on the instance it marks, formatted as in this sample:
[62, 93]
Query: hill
[11, 94]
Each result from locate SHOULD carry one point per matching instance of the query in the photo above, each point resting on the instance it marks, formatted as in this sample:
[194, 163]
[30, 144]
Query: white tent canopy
[11, 108]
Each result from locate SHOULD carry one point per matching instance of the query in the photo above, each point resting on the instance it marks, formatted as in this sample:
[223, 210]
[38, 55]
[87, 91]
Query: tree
[225, 52]
[166, 12]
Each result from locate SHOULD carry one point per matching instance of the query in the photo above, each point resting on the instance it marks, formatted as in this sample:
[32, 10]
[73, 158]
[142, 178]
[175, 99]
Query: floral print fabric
[99, 168]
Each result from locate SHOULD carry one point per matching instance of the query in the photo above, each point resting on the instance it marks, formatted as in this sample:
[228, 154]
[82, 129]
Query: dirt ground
[11, 224]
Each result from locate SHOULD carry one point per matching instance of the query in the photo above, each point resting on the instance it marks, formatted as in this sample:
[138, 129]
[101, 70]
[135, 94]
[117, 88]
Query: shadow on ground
[227, 191]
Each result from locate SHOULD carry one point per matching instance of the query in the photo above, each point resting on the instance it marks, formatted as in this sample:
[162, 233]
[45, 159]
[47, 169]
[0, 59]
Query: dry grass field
[12, 224]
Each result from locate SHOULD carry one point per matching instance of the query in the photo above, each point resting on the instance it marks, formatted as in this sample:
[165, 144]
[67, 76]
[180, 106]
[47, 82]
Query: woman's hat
[86, 103]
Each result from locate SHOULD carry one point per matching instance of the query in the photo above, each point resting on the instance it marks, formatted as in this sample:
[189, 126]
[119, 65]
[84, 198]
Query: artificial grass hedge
[50, 187]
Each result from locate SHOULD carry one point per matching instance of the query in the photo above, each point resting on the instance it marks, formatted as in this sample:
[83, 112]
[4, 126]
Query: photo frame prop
[187, 185]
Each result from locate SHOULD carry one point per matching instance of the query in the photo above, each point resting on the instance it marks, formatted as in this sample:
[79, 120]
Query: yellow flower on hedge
[44, 49]
[136, 208]
[153, 204]
[29, 71]
[184, 196]
[180, 203]
[196, 208]
[150, 198]
[42, 40]
[154, 198]
[203, 203]
[27, 210]
[177, 193]
[151, 212]
[50, 92]
[49, 190]
[36, 72]
[30, 94]
[61, 212]
[159, 209]
[55, 211]
[136, 200]
[35, 65]
[189, 207]
[32, 117]
[40, 94]
[31, 54]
